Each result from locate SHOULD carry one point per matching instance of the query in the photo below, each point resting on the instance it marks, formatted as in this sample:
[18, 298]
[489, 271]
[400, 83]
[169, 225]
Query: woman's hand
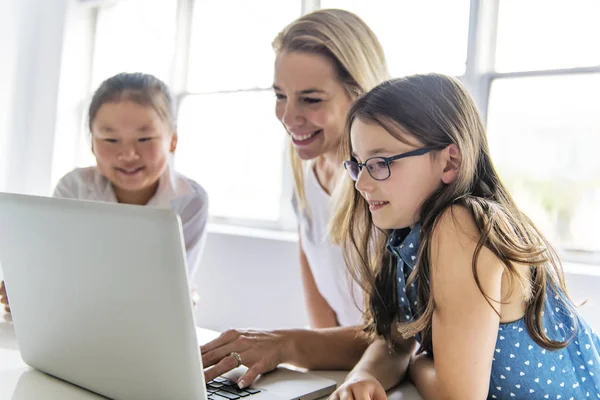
[4, 297]
[260, 351]
[359, 385]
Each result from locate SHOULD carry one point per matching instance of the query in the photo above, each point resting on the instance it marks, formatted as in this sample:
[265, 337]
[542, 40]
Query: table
[20, 382]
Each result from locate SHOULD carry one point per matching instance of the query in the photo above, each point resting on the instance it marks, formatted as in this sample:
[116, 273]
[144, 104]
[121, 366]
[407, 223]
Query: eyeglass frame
[388, 160]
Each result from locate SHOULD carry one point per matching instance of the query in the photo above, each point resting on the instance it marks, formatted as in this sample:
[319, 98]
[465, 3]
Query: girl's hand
[359, 386]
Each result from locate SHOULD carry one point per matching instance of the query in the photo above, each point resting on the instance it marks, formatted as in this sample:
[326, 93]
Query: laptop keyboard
[224, 389]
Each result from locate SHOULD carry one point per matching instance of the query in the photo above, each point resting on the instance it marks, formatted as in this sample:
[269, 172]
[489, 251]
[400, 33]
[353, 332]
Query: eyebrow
[305, 91]
[106, 129]
[145, 128]
[142, 129]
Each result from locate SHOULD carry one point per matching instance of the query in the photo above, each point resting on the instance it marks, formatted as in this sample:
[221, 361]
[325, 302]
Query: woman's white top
[184, 196]
[325, 259]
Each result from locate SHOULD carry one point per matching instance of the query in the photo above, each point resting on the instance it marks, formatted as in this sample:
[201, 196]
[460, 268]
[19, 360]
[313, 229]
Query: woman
[324, 61]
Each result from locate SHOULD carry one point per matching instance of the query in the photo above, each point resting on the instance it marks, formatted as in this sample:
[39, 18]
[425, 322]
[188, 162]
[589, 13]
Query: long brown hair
[438, 111]
[352, 47]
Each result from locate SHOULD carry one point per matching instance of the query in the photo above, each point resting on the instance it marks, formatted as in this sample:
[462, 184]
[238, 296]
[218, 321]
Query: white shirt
[184, 196]
[325, 259]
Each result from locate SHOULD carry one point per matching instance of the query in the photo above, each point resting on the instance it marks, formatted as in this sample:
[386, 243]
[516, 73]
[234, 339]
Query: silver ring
[237, 358]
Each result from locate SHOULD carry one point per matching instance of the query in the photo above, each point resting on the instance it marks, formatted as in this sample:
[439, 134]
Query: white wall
[74, 88]
[250, 282]
[254, 282]
[583, 287]
[8, 50]
[31, 53]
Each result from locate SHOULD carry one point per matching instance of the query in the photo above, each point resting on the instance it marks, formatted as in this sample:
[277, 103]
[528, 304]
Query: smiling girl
[133, 133]
[449, 261]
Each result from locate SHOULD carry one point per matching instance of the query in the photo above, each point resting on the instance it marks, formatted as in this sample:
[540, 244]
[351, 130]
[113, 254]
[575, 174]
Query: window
[135, 36]
[542, 119]
[544, 134]
[534, 72]
[233, 144]
[128, 36]
[532, 67]
[540, 34]
[231, 141]
[230, 45]
[226, 117]
[417, 36]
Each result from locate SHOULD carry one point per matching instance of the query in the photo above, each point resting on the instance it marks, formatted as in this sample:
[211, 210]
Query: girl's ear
[451, 162]
[173, 144]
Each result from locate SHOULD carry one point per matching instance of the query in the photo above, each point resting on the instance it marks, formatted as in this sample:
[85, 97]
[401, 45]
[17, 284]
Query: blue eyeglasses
[379, 167]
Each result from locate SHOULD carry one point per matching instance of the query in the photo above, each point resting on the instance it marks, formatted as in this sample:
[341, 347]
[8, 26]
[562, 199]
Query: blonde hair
[438, 111]
[344, 39]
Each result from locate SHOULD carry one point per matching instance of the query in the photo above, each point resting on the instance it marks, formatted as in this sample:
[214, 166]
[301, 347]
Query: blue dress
[520, 367]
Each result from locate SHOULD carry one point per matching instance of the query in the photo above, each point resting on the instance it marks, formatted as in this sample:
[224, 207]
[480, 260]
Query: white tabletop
[20, 382]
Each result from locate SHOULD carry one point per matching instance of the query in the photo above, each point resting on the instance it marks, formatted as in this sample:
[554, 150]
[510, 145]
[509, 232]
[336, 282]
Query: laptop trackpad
[288, 383]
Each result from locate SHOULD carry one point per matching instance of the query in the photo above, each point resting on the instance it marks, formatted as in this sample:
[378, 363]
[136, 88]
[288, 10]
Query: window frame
[478, 76]
[179, 87]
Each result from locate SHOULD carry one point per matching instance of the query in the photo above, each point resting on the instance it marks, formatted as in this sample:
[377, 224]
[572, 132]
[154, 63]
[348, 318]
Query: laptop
[33, 384]
[100, 298]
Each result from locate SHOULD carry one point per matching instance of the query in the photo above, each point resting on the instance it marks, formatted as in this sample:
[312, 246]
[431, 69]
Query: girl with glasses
[447, 260]
[324, 61]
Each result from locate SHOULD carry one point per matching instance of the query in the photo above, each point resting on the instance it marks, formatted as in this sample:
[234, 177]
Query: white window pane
[541, 34]
[544, 137]
[417, 36]
[73, 146]
[135, 36]
[231, 42]
[232, 144]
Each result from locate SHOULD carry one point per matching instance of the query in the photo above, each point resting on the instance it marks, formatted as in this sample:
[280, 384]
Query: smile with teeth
[302, 138]
[376, 205]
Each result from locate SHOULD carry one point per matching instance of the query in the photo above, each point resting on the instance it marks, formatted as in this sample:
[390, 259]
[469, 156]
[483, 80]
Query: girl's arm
[464, 325]
[389, 368]
[378, 370]
[194, 219]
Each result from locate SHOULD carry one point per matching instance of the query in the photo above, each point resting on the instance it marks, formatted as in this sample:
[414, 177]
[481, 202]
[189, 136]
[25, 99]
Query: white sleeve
[194, 218]
[65, 188]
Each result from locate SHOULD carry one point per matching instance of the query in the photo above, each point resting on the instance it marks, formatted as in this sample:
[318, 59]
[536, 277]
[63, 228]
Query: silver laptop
[99, 297]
